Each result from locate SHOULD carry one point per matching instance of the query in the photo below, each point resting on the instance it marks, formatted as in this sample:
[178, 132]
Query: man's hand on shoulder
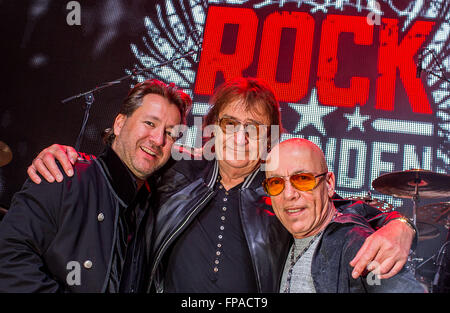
[45, 163]
[387, 248]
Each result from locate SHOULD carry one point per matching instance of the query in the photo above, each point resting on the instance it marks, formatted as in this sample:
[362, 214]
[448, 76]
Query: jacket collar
[209, 171]
[251, 181]
[121, 179]
[212, 175]
[348, 218]
[254, 180]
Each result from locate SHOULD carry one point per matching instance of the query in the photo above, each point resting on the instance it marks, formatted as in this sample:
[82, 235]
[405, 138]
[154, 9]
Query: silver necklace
[294, 261]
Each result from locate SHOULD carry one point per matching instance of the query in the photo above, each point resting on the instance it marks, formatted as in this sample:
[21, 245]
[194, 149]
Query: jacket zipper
[158, 257]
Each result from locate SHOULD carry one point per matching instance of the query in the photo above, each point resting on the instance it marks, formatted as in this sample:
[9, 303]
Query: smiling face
[240, 150]
[143, 140]
[303, 213]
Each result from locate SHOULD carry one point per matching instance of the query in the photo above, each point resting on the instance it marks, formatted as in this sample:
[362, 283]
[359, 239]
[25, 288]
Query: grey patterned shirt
[301, 280]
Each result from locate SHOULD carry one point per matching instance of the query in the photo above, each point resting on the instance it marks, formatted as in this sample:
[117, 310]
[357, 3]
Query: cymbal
[377, 203]
[435, 213]
[5, 154]
[427, 231]
[403, 184]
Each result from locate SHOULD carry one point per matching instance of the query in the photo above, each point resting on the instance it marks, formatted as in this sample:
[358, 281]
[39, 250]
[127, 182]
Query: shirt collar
[252, 181]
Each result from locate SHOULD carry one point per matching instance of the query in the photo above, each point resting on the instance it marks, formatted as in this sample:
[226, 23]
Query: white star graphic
[356, 120]
[311, 113]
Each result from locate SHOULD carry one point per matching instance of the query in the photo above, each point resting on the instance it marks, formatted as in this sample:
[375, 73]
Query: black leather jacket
[185, 189]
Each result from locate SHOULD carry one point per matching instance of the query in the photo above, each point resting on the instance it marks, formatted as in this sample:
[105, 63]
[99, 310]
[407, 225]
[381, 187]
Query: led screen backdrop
[345, 73]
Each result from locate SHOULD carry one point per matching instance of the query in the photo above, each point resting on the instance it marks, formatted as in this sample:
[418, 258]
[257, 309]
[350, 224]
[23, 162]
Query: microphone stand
[89, 95]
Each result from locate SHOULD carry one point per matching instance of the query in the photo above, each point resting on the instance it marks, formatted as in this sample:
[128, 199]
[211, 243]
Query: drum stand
[413, 259]
[406, 184]
[416, 200]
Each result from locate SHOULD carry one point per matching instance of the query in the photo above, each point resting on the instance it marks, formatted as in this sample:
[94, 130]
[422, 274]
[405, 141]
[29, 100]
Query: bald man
[325, 239]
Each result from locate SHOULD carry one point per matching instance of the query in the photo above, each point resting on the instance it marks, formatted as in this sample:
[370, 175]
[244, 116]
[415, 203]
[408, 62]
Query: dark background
[45, 61]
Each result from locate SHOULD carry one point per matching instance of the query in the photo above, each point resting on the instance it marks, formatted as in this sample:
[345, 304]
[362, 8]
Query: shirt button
[87, 264]
[224, 209]
[220, 236]
[222, 227]
[219, 245]
[216, 261]
[100, 217]
[217, 253]
[225, 199]
[216, 270]
[222, 218]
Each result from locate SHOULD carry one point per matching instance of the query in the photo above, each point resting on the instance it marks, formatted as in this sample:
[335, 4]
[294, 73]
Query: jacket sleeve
[25, 234]
[375, 217]
[403, 282]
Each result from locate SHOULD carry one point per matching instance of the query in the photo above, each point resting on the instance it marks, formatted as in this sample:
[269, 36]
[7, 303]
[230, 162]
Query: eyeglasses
[273, 186]
[228, 124]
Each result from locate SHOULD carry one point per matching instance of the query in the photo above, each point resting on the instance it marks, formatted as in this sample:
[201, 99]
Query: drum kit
[419, 184]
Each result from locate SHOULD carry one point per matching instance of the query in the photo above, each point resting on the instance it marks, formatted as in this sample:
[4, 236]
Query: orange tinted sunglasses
[273, 186]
